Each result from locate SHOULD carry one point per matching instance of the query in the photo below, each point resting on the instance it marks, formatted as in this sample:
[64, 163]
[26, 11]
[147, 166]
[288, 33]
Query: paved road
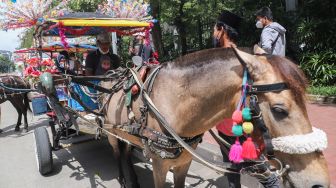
[88, 164]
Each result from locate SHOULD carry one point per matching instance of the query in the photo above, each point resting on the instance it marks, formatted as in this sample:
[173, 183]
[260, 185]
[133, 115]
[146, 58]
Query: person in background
[139, 48]
[93, 64]
[225, 35]
[273, 38]
[226, 30]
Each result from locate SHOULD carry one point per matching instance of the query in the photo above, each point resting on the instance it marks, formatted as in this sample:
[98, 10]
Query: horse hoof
[1, 130]
[25, 130]
[17, 129]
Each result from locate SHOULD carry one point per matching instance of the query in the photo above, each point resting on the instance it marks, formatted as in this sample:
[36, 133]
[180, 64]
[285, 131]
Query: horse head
[284, 112]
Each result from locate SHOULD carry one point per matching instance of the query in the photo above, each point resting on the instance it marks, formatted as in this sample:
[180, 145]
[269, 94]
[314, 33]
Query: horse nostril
[317, 186]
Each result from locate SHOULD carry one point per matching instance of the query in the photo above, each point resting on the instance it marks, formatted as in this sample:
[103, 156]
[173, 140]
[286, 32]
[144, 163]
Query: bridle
[257, 117]
[294, 144]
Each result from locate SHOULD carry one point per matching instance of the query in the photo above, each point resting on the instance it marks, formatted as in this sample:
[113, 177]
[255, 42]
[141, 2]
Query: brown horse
[196, 91]
[18, 99]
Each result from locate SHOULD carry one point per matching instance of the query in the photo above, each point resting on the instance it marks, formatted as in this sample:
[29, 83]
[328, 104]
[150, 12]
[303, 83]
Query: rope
[17, 89]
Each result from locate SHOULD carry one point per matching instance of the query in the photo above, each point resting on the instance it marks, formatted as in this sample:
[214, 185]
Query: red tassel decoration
[235, 154]
[249, 149]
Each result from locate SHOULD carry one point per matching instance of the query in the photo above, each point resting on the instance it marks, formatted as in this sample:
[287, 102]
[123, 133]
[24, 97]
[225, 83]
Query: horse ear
[258, 51]
[254, 66]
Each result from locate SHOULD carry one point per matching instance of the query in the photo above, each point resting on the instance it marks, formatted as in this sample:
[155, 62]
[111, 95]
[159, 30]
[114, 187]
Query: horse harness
[10, 91]
[170, 145]
[164, 145]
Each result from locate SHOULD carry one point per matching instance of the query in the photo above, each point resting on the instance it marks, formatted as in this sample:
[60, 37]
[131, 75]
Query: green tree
[84, 5]
[5, 64]
[27, 38]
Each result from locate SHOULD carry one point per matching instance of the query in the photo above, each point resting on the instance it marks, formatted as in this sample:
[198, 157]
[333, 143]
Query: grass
[322, 90]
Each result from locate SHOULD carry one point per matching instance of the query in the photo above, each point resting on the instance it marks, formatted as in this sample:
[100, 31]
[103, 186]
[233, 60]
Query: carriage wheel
[43, 150]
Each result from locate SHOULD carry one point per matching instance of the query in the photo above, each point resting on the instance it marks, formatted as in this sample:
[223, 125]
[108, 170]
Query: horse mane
[205, 56]
[292, 75]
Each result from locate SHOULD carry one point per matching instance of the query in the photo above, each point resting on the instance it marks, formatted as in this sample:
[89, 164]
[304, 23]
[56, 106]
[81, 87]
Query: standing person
[225, 35]
[226, 32]
[140, 48]
[273, 38]
[93, 64]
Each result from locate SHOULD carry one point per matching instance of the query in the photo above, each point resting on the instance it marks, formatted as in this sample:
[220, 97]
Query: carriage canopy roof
[90, 24]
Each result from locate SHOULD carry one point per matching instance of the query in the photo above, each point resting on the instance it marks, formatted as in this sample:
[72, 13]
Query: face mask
[259, 24]
[216, 42]
[104, 53]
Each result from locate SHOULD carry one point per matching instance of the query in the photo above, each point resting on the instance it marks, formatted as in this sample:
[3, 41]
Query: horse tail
[26, 102]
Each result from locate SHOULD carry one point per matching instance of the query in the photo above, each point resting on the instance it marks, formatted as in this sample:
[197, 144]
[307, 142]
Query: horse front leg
[180, 173]
[17, 127]
[133, 176]
[160, 170]
[117, 155]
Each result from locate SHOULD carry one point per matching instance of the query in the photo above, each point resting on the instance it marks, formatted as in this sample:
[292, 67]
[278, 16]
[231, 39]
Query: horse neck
[194, 99]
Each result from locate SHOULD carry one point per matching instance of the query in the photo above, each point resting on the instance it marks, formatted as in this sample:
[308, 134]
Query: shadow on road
[95, 160]
[9, 130]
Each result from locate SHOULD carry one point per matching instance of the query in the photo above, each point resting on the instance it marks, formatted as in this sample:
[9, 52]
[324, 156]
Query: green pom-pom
[237, 130]
[247, 114]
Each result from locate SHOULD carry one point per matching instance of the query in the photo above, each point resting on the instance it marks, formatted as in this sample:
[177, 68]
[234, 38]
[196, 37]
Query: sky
[9, 40]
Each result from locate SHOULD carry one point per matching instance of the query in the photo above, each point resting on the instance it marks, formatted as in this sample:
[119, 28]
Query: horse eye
[279, 110]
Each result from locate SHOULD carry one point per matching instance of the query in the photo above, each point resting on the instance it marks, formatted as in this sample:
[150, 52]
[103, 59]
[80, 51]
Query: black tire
[43, 150]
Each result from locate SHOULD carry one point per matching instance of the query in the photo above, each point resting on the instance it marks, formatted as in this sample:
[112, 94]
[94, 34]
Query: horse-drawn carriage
[166, 109]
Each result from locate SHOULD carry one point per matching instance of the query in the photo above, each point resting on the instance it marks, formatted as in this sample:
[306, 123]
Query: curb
[321, 99]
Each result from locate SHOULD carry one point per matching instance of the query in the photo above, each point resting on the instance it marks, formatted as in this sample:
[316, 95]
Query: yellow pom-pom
[248, 127]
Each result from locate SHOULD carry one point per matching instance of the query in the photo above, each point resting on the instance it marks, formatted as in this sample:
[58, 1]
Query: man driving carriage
[95, 61]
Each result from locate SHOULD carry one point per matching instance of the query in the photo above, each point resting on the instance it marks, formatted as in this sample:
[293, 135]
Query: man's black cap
[230, 19]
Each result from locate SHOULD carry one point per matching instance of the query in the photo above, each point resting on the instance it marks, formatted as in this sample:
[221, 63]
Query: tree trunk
[181, 28]
[200, 33]
[157, 32]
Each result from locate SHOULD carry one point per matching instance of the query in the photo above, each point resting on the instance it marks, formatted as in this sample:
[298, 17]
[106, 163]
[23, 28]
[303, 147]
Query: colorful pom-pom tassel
[249, 149]
[235, 154]
[237, 130]
[237, 116]
[248, 127]
[246, 113]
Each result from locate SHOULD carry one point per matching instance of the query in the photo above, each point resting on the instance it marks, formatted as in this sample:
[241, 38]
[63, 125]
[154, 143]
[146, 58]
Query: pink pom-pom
[249, 149]
[237, 116]
[235, 154]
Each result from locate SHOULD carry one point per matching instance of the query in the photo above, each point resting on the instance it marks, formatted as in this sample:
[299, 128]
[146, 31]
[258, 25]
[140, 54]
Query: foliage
[84, 5]
[123, 49]
[5, 64]
[314, 35]
[322, 90]
[320, 67]
[27, 38]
